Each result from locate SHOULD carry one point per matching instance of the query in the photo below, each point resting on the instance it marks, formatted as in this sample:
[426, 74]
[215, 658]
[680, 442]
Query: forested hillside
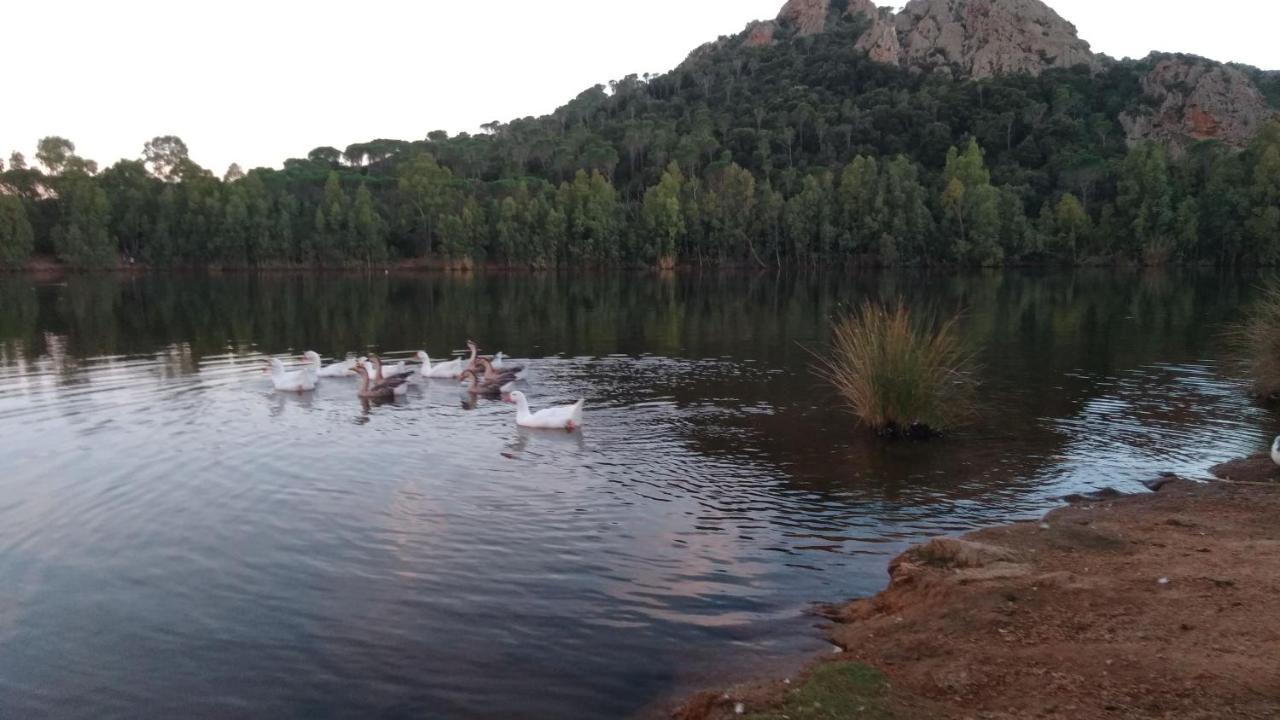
[802, 151]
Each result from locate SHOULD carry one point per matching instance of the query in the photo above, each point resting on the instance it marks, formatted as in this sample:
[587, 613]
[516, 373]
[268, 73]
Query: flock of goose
[489, 377]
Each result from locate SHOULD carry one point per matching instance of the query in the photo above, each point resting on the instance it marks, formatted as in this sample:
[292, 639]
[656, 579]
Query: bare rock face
[880, 41]
[866, 7]
[760, 34]
[983, 38]
[973, 38]
[1197, 100]
[1189, 99]
[808, 17]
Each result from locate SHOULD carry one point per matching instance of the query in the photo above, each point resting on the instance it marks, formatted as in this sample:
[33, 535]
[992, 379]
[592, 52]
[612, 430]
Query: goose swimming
[473, 363]
[479, 386]
[380, 374]
[383, 372]
[337, 370]
[447, 370]
[566, 417]
[285, 381]
[492, 375]
[393, 387]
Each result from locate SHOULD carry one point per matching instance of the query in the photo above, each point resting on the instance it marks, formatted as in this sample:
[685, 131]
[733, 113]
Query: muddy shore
[1160, 605]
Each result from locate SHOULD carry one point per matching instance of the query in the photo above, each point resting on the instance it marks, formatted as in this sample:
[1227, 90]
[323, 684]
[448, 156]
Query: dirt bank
[1164, 605]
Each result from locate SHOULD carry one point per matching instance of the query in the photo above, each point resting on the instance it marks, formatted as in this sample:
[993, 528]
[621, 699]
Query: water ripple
[178, 537]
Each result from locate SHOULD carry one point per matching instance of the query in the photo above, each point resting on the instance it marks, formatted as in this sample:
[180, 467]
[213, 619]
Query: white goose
[1275, 451]
[565, 417]
[336, 370]
[448, 370]
[284, 381]
[388, 371]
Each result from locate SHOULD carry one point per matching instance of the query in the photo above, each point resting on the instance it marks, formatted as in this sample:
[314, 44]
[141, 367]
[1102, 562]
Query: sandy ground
[1164, 605]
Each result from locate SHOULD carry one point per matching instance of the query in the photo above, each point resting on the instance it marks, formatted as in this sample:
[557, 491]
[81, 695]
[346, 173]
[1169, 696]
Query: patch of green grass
[834, 691]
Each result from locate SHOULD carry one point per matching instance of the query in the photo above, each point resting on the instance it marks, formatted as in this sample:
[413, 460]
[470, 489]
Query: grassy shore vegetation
[898, 372]
[834, 691]
[802, 153]
[1259, 338]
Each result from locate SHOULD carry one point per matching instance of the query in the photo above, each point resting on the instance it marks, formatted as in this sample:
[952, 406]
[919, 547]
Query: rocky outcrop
[810, 17]
[982, 38]
[760, 34]
[880, 41]
[1186, 99]
[807, 17]
[970, 38]
[1194, 99]
[865, 7]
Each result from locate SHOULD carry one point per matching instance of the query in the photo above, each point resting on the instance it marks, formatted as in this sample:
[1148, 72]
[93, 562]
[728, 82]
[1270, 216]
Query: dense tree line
[804, 152]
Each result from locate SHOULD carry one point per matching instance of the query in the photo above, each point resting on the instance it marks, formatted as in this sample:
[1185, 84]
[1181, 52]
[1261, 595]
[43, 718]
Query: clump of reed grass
[901, 375]
[1259, 338]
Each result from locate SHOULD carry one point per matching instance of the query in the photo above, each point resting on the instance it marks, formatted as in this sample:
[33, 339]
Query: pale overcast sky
[258, 81]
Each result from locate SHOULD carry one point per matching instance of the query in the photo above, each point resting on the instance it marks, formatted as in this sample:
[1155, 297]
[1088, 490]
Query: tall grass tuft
[899, 374]
[1259, 337]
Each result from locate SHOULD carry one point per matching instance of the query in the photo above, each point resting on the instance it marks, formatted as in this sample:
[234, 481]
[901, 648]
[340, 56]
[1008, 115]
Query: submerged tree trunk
[752, 247]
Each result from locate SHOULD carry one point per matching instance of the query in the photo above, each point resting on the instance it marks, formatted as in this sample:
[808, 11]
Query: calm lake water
[177, 540]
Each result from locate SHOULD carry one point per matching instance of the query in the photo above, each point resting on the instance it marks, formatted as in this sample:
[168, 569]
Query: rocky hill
[1188, 99]
[1184, 99]
[953, 132]
[969, 38]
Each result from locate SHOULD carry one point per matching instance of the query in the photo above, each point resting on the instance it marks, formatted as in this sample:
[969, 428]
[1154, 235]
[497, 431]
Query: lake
[178, 540]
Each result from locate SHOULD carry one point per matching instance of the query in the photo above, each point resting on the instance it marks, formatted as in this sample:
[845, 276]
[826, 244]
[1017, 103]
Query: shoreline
[49, 267]
[1114, 606]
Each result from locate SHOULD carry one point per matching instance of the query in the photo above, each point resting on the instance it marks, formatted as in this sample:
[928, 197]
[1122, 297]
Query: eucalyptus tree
[17, 239]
